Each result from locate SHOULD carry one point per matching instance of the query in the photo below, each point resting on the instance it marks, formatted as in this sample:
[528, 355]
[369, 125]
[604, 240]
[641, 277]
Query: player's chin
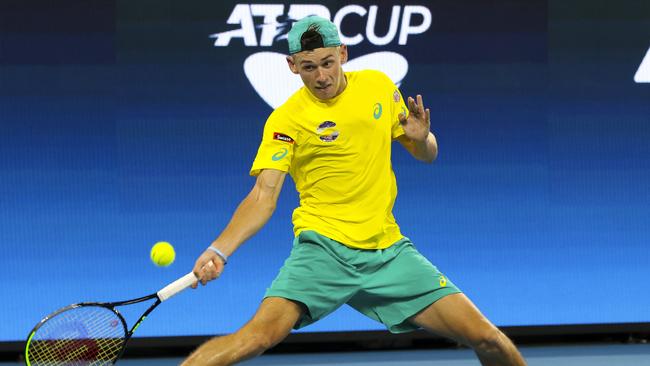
[324, 93]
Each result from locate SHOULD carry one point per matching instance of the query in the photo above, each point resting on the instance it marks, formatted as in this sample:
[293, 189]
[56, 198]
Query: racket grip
[177, 286]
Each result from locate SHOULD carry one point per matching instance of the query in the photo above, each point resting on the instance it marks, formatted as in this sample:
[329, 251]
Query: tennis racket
[90, 333]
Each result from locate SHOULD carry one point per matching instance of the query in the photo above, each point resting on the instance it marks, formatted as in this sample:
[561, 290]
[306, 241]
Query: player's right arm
[251, 215]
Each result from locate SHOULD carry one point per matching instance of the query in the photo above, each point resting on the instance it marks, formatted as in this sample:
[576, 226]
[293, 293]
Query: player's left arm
[417, 137]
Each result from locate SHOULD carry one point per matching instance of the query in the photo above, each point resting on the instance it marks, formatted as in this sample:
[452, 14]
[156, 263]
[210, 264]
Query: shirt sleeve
[398, 107]
[276, 149]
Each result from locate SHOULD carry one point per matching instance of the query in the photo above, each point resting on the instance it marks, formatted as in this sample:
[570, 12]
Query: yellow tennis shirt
[338, 152]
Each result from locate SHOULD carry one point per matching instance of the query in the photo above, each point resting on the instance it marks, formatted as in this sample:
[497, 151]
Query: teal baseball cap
[329, 35]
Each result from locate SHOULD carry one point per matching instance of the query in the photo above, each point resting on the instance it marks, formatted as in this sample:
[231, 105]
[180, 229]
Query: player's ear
[343, 52]
[291, 61]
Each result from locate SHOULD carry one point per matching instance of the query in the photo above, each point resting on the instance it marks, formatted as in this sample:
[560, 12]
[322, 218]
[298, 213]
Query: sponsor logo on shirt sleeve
[280, 154]
[282, 137]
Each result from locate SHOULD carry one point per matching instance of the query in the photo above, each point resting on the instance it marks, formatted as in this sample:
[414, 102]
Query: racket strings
[80, 336]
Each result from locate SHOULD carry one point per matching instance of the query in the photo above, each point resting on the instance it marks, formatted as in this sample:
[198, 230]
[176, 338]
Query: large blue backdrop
[123, 124]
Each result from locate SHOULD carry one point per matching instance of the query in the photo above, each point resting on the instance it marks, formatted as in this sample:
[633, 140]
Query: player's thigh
[274, 319]
[456, 317]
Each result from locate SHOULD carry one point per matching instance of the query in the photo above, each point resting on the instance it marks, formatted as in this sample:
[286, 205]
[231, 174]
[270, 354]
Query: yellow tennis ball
[162, 254]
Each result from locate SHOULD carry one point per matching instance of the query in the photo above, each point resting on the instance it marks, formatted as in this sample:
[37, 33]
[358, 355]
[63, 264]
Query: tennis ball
[162, 254]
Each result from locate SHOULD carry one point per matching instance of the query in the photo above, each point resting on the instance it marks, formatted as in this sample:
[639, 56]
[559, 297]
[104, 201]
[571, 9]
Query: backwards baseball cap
[329, 35]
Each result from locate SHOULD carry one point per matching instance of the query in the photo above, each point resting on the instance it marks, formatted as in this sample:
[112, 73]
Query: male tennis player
[334, 137]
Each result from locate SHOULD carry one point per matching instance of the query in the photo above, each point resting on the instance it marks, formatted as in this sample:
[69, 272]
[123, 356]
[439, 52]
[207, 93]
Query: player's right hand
[207, 267]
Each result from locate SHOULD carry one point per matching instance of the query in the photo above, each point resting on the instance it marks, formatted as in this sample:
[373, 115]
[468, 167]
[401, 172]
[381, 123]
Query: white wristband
[223, 257]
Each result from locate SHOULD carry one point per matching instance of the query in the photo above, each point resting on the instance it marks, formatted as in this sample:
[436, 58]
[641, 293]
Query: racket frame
[160, 296]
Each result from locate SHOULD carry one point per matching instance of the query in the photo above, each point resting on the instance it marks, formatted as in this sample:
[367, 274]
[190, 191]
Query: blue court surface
[583, 355]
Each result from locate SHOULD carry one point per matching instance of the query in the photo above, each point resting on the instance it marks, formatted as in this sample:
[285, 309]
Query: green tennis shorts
[389, 285]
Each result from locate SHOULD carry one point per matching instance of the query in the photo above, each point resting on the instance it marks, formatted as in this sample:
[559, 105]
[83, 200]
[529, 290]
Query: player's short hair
[311, 39]
[312, 32]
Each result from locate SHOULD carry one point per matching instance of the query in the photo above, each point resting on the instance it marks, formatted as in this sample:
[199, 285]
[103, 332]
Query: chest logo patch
[376, 112]
[326, 131]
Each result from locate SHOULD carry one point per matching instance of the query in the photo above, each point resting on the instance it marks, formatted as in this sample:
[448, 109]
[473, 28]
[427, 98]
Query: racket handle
[177, 286]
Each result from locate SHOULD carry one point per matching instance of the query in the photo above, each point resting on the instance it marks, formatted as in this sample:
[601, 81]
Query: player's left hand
[417, 125]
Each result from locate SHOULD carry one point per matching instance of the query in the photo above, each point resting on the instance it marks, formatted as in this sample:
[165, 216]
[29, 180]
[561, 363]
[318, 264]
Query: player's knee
[258, 342]
[488, 341]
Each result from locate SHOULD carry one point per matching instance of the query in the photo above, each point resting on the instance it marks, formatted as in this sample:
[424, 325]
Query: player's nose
[321, 77]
